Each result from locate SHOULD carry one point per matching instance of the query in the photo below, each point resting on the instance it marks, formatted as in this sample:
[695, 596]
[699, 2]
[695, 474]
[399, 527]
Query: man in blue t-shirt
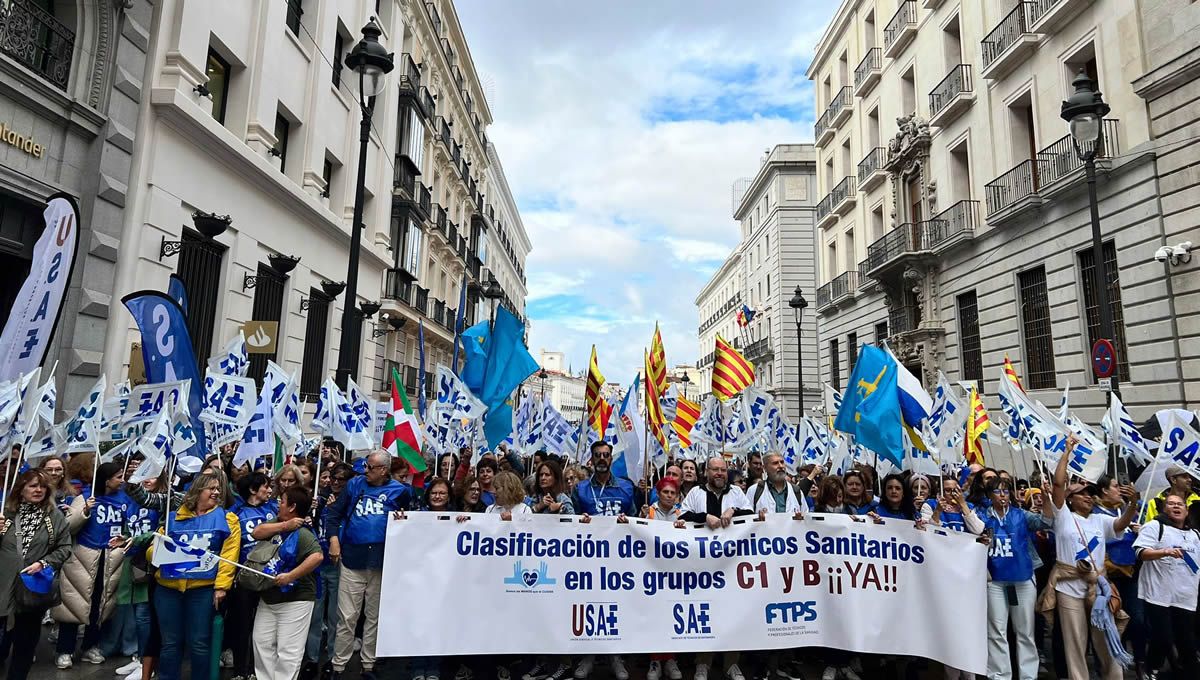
[358, 519]
[610, 496]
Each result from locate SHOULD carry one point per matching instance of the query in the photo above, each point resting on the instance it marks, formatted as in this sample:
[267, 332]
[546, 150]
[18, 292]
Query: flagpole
[26, 438]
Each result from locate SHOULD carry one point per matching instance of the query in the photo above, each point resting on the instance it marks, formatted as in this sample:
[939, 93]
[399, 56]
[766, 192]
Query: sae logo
[523, 579]
[780, 613]
[595, 620]
[692, 619]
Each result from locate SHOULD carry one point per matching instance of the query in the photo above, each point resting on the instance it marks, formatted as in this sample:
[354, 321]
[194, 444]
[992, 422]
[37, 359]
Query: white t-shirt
[518, 509]
[1072, 536]
[1169, 581]
[697, 500]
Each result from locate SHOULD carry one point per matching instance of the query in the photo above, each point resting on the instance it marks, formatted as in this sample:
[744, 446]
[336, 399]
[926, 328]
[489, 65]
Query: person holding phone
[1119, 565]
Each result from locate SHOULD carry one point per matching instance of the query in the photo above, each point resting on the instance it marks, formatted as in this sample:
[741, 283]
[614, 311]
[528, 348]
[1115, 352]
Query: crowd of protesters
[1083, 578]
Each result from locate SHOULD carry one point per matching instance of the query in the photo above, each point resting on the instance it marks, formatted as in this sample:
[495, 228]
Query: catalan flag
[977, 423]
[1010, 373]
[686, 415]
[598, 409]
[656, 386]
[658, 364]
[732, 373]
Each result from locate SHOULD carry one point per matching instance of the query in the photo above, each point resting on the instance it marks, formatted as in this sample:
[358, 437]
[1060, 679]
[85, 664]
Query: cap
[1031, 492]
[1175, 471]
[1076, 488]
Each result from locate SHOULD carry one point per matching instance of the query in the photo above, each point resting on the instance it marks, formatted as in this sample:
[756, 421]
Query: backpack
[261, 557]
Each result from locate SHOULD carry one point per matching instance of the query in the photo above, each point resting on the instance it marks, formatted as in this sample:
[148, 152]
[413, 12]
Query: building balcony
[932, 4]
[1046, 16]
[420, 300]
[952, 226]
[824, 212]
[953, 96]
[904, 319]
[409, 78]
[758, 350]
[841, 107]
[439, 220]
[867, 74]
[822, 130]
[1013, 193]
[901, 30]
[865, 282]
[32, 36]
[895, 246]
[840, 289]
[870, 169]
[425, 200]
[397, 286]
[1059, 167]
[845, 194]
[1009, 43]
[443, 132]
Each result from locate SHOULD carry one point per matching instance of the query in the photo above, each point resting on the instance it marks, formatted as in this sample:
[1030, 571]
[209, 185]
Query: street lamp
[542, 375]
[493, 292]
[1084, 111]
[798, 305]
[686, 381]
[371, 61]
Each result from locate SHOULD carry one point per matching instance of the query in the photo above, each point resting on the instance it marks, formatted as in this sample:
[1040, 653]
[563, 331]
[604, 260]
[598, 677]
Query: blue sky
[622, 126]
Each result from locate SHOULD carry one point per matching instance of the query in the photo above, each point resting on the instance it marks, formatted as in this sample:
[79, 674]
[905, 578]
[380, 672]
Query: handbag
[25, 600]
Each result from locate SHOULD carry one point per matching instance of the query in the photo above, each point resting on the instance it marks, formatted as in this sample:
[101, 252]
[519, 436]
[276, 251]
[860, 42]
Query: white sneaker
[47, 619]
[63, 661]
[701, 672]
[734, 673]
[92, 656]
[134, 665]
[829, 674]
[227, 658]
[418, 677]
[137, 675]
[618, 668]
[849, 674]
[584, 669]
[654, 671]
[672, 669]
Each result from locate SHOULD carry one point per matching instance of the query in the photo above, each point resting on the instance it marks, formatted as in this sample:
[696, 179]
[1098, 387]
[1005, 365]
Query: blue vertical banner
[178, 293]
[421, 367]
[458, 321]
[167, 348]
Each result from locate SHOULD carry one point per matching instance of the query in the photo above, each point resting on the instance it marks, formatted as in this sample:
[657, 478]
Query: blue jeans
[324, 617]
[425, 666]
[122, 635]
[185, 620]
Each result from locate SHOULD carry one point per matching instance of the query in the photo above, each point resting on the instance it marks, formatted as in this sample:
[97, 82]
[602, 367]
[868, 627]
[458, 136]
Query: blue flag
[167, 348]
[421, 373]
[475, 344]
[178, 292]
[871, 405]
[508, 364]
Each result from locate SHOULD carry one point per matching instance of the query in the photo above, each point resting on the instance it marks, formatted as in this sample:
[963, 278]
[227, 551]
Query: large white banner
[34, 314]
[549, 585]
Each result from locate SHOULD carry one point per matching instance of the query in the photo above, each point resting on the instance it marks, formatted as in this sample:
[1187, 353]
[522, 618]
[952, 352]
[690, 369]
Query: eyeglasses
[1001, 492]
[378, 466]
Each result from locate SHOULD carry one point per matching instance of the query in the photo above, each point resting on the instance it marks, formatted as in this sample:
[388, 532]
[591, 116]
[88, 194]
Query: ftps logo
[779, 613]
[529, 579]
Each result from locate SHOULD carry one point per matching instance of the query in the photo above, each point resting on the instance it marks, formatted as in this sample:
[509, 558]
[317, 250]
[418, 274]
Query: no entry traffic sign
[1104, 358]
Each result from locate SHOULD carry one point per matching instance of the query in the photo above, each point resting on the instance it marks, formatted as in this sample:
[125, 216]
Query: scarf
[29, 518]
[1099, 591]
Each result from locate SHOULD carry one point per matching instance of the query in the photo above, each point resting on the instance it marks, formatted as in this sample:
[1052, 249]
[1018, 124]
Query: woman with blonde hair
[288, 476]
[61, 491]
[510, 496]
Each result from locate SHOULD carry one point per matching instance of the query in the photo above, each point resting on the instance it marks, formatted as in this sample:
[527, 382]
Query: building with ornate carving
[253, 114]
[775, 253]
[953, 218]
[71, 88]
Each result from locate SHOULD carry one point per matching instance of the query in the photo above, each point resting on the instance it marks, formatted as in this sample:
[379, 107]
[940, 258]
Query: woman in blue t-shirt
[89, 579]
[897, 501]
[859, 497]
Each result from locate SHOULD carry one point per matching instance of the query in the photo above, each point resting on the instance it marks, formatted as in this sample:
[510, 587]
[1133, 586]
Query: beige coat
[79, 575]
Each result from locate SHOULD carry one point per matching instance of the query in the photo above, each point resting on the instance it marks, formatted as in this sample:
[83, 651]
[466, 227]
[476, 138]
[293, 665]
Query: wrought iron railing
[404, 178]
[954, 84]
[425, 199]
[821, 125]
[32, 36]
[1061, 158]
[1040, 8]
[904, 19]
[420, 300]
[1014, 185]
[872, 164]
[903, 319]
[758, 349]
[410, 74]
[960, 218]
[904, 239]
[825, 207]
[439, 218]
[844, 190]
[396, 286]
[841, 286]
[1006, 33]
[872, 63]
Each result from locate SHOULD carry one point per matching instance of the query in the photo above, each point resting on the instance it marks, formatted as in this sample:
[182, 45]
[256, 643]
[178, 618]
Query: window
[312, 371]
[969, 347]
[881, 333]
[851, 350]
[835, 368]
[410, 254]
[217, 70]
[295, 10]
[200, 269]
[412, 136]
[282, 128]
[327, 175]
[268, 306]
[1035, 326]
[908, 91]
[339, 46]
[1087, 273]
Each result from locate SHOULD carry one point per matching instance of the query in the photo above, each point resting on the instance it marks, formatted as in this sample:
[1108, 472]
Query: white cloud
[622, 126]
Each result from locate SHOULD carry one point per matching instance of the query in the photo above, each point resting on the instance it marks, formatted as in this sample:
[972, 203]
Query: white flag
[233, 359]
[259, 438]
[228, 399]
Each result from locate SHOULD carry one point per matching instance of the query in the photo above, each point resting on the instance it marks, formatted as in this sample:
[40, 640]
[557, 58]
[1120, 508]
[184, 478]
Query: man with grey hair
[359, 517]
[774, 493]
[715, 503]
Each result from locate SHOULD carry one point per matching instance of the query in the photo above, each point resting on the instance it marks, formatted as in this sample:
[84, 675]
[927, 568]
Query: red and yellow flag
[598, 408]
[732, 373]
[686, 415]
[977, 423]
[1010, 373]
[656, 385]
